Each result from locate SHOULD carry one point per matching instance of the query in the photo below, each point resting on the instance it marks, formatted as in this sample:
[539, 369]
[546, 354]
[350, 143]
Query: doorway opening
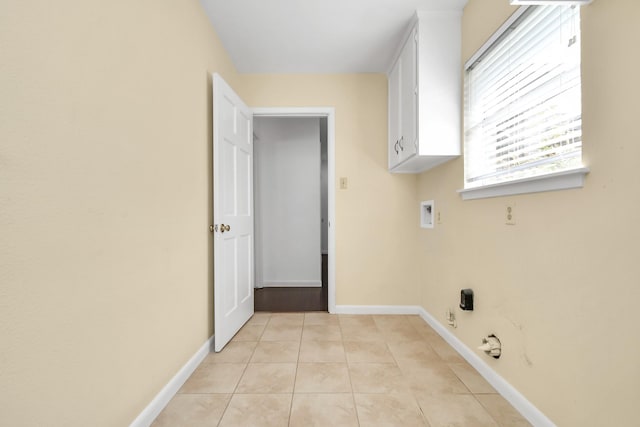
[294, 209]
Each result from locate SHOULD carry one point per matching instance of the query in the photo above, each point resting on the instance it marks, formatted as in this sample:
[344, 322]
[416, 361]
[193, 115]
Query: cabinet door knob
[401, 144]
[395, 147]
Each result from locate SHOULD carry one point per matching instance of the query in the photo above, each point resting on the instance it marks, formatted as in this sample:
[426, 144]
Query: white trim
[377, 309]
[556, 181]
[331, 207]
[513, 396]
[161, 400]
[293, 111]
[550, 2]
[292, 284]
[497, 35]
[330, 114]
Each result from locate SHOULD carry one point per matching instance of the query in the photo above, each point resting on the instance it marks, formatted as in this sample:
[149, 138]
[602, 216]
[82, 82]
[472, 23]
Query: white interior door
[232, 212]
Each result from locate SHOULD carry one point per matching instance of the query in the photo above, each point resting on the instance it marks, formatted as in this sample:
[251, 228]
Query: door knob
[212, 228]
[224, 228]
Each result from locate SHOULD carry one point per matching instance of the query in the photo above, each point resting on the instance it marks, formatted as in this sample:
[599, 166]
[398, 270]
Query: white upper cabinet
[409, 95]
[403, 104]
[425, 94]
[395, 131]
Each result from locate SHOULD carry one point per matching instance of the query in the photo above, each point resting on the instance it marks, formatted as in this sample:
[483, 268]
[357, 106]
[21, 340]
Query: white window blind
[523, 107]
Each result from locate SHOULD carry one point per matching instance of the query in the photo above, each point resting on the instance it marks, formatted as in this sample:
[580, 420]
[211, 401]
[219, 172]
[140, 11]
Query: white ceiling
[315, 36]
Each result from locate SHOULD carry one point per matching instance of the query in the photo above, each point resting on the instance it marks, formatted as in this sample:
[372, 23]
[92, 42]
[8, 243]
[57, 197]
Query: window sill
[556, 181]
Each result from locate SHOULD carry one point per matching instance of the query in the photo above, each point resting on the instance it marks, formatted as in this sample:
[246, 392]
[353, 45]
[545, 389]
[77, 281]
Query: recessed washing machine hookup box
[427, 212]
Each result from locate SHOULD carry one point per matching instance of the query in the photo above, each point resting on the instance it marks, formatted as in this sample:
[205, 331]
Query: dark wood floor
[294, 299]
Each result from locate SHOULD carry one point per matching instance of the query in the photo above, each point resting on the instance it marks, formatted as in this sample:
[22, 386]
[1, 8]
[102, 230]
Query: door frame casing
[329, 113]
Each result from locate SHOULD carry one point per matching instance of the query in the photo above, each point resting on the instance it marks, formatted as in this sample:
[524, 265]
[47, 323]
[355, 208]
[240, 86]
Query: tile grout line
[413, 394]
[487, 410]
[295, 377]
[233, 393]
[353, 393]
[389, 338]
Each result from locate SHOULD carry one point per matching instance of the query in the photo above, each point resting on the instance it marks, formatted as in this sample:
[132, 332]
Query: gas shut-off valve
[491, 346]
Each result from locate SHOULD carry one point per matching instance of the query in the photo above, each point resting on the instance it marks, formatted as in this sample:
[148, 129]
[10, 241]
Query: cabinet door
[409, 97]
[394, 114]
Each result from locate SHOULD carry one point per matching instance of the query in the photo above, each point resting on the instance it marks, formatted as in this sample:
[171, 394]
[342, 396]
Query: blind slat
[522, 100]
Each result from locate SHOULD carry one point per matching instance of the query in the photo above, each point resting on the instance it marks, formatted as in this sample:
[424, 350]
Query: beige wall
[105, 201]
[105, 129]
[375, 250]
[104, 204]
[559, 288]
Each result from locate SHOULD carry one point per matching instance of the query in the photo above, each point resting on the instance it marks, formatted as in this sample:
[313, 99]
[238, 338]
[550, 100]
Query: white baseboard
[161, 400]
[377, 309]
[513, 396]
[292, 284]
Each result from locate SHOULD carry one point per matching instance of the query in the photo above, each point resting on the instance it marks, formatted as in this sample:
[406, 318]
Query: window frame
[565, 179]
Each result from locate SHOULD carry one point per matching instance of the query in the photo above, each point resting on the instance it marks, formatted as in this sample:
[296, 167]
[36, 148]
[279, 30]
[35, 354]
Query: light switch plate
[343, 183]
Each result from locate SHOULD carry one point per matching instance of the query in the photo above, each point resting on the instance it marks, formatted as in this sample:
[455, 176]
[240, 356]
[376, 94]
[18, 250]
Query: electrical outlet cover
[509, 217]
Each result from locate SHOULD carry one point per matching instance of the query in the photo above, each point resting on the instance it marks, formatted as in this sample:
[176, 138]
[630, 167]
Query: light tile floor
[317, 369]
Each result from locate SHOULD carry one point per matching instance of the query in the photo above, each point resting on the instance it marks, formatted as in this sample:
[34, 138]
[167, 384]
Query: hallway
[278, 300]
